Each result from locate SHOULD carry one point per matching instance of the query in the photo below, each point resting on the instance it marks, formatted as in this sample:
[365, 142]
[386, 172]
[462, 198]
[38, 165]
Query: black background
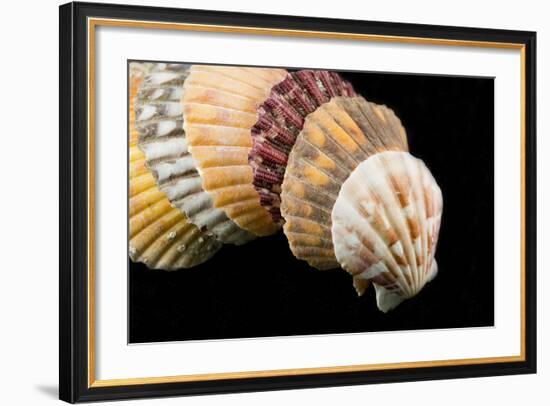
[260, 289]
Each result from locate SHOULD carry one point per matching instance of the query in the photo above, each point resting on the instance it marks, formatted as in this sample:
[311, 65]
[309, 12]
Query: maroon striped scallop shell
[280, 119]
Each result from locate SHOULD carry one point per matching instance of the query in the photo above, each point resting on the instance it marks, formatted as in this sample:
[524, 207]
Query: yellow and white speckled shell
[334, 140]
[385, 226]
[219, 109]
[159, 235]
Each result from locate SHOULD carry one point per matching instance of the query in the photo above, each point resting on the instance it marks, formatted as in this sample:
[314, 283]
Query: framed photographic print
[255, 202]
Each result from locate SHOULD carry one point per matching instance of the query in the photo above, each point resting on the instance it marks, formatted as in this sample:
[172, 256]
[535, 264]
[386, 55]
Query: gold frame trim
[94, 22]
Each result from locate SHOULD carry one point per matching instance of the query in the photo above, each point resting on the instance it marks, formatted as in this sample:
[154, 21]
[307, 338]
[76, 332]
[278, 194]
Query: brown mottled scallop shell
[335, 138]
[385, 226]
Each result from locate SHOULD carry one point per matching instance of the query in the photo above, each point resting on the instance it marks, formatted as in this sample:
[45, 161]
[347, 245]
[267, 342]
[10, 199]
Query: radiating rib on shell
[280, 120]
[219, 108]
[162, 139]
[159, 235]
[335, 139]
[385, 225]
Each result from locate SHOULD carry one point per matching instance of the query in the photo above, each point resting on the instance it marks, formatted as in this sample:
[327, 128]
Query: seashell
[220, 106]
[385, 226]
[335, 138]
[163, 141]
[281, 117]
[136, 74]
[160, 236]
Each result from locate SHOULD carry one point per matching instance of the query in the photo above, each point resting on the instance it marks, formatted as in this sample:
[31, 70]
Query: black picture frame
[74, 379]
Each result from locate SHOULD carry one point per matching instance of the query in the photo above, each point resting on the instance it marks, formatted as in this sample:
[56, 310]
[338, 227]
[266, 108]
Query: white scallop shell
[385, 226]
[159, 121]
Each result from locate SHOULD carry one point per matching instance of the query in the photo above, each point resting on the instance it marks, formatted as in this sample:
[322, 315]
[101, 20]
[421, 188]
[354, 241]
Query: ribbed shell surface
[163, 141]
[281, 117]
[159, 235]
[385, 225]
[335, 138]
[220, 106]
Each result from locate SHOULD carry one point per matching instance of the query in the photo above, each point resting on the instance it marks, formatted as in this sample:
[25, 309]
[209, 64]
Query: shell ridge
[214, 125]
[143, 126]
[356, 108]
[141, 183]
[415, 168]
[200, 206]
[373, 134]
[334, 142]
[153, 230]
[219, 80]
[223, 71]
[319, 236]
[327, 194]
[384, 127]
[388, 141]
[379, 128]
[175, 177]
[169, 174]
[249, 216]
[191, 244]
[217, 106]
[148, 133]
[433, 234]
[267, 73]
[410, 168]
[136, 202]
[217, 86]
[156, 249]
[328, 174]
[374, 144]
[393, 266]
[309, 203]
[179, 199]
[222, 187]
[328, 154]
[422, 215]
[325, 228]
[396, 217]
[168, 257]
[401, 223]
[394, 125]
[354, 133]
[148, 215]
[166, 148]
[207, 87]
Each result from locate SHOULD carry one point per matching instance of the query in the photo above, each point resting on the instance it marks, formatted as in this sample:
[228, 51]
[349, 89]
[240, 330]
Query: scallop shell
[220, 106]
[160, 235]
[334, 140]
[163, 141]
[385, 226]
[281, 117]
